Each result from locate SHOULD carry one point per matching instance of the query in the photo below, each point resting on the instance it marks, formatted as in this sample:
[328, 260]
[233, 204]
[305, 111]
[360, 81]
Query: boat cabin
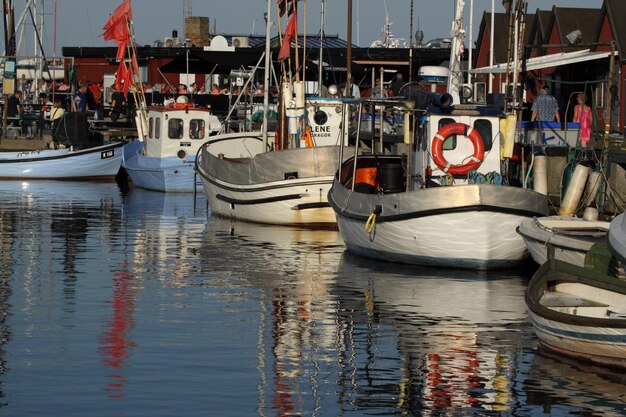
[456, 147]
[179, 129]
[461, 141]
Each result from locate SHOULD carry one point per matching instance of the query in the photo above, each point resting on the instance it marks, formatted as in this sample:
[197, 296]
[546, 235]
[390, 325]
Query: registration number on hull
[107, 154]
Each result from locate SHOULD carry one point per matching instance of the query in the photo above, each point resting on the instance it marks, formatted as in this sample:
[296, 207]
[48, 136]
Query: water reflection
[295, 270]
[165, 233]
[161, 227]
[455, 330]
[558, 384]
[145, 299]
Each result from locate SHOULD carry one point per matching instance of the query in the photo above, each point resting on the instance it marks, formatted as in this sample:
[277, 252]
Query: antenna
[187, 8]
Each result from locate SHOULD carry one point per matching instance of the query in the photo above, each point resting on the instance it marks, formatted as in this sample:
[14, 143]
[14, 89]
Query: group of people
[545, 108]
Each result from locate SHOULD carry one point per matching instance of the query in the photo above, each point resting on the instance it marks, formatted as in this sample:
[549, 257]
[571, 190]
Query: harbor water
[140, 303]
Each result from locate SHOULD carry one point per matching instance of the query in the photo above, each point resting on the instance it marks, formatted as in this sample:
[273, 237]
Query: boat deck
[570, 304]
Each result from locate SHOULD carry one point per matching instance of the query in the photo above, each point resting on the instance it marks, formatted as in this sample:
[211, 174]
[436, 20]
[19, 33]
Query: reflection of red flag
[116, 28]
[290, 33]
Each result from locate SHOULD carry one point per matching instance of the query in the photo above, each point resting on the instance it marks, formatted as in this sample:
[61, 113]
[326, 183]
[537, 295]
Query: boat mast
[455, 79]
[411, 43]
[319, 62]
[9, 55]
[349, 52]
[268, 54]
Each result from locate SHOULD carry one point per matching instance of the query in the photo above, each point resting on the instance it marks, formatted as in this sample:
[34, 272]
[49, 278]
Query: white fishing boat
[579, 313]
[427, 208]
[571, 237]
[101, 162]
[167, 159]
[280, 186]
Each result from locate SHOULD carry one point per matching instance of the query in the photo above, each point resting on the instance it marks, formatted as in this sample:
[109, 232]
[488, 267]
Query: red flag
[290, 33]
[123, 79]
[116, 28]
[120, 75]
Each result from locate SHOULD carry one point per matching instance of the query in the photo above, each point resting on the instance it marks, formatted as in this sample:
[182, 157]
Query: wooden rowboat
[579, 313]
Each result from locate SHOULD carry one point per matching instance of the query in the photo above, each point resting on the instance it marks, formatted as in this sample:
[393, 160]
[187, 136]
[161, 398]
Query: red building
[566, 48]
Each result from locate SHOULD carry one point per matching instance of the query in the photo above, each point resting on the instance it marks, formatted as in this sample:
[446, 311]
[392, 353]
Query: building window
[599, 95]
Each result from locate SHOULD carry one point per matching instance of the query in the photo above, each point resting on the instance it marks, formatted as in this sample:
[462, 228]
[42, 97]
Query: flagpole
[297, 66]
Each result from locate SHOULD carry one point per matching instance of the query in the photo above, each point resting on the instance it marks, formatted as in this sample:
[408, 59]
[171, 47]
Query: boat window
[157, 128]
[196, 129]
[175, 128]
[484, 128]
[150, 127]
[449, 143]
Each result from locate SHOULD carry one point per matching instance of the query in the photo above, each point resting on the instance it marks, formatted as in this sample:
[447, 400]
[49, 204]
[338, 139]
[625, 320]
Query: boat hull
[579, 329]
[97, 163]
[423, 226]
[288, 187]
[568, 247]
[167, 174]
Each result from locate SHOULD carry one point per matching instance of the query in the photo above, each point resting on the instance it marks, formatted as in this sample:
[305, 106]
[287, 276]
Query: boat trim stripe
[434, 212]
[253, 188]
[306, 206]
[617, 339]
[66, 155]
[258, 200]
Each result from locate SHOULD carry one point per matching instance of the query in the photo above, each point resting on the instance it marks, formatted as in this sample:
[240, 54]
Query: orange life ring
[181, 106]
[458, 129]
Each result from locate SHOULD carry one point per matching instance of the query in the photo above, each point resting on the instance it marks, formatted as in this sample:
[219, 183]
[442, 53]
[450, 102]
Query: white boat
[571, 237]
[90, 163]
[167, 159]
[423, 209]
[287, 186]
[579, 313]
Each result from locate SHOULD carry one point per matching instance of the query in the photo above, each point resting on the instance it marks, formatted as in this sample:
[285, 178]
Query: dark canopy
[216, 62]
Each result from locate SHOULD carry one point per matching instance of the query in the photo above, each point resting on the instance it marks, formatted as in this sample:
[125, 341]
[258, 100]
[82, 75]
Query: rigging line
[89, 25]
[598, 81]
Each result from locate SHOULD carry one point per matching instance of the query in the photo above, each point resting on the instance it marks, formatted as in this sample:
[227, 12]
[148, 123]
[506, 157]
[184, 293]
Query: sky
[79, 22]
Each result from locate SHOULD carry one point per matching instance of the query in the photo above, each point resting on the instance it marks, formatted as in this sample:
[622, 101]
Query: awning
[381, 63]
[547, 61]
[217, 62]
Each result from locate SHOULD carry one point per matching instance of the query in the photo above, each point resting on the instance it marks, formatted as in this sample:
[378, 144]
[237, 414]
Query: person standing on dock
[14, 106]
[117, 104]
[582, 115]
[545, 108]
[79, 101]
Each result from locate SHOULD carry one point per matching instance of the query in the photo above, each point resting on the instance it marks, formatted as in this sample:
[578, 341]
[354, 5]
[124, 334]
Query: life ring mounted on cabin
[181, 105]
[458, 129]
